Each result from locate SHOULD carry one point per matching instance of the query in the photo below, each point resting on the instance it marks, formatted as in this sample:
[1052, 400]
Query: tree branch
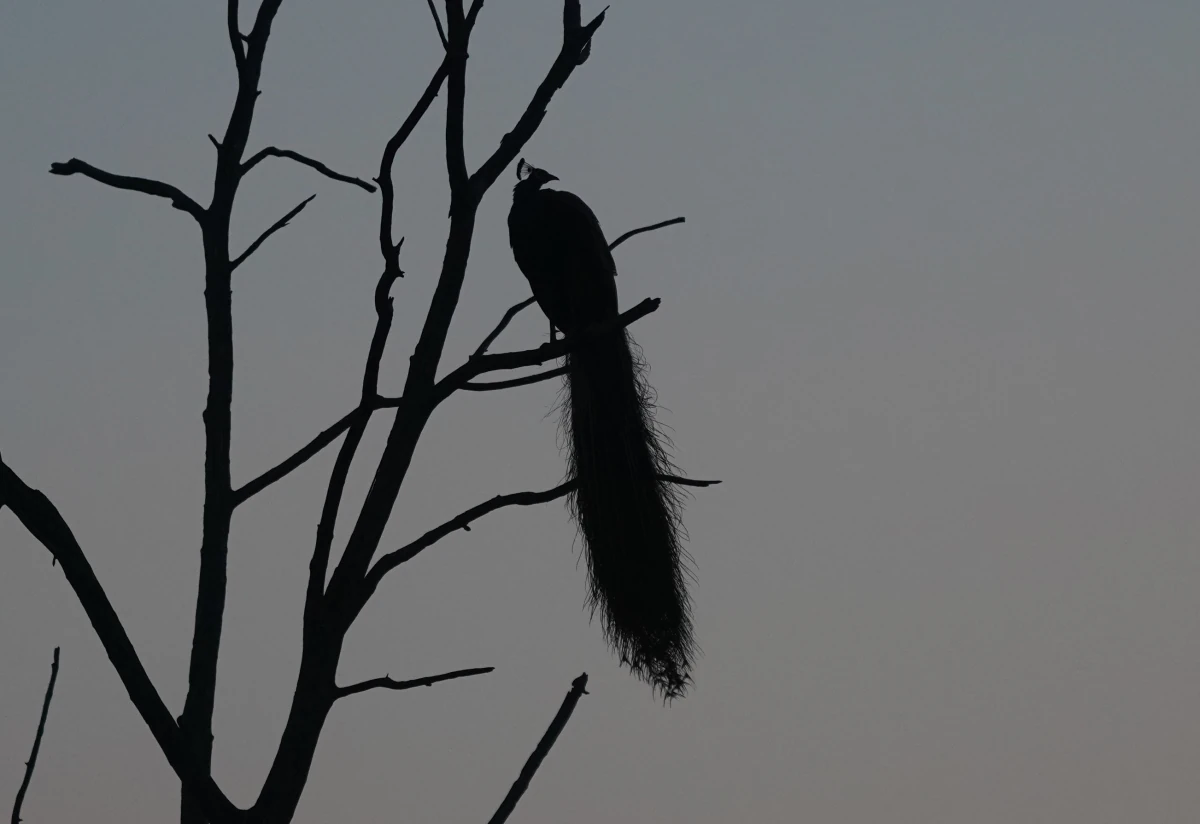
[154, 188]
[476, 7]
[324, 626]
[578, 690]
[456, 84]
[463, 521]
[235, 35]
[387, 191]
[681, 481]
[419, 385]
[576, 39]
[346, 578]
[283, 469]
[274, 151]
[500, 327]
[477, 366]
[492, 386]
[437, 21]
[37, 742]
[262, 24]
[388, 683]
[279, 224]
[195, 722]
[369, 400]
[42, 519]
[643, 229]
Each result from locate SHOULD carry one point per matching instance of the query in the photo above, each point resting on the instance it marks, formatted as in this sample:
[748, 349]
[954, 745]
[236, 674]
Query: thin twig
[387, 190]
[578, 690]
[642, 229]
[492, 386]
[155, 188]
[681, 481]
[37, 742]
[275, 227]
[387, 683]
[274, 151]
[284, 468]
[500, 327]
[462, 521]
[437, 21]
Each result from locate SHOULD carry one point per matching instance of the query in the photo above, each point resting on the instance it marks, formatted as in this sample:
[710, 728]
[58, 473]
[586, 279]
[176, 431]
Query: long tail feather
[628, 517]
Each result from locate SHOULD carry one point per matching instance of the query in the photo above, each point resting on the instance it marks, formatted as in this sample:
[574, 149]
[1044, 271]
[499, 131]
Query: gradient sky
[932, 318]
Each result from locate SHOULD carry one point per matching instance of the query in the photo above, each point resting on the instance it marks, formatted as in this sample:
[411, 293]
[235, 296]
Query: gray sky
[932, 318]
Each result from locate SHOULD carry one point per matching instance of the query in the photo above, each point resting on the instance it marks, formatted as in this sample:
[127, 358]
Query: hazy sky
[932, 319]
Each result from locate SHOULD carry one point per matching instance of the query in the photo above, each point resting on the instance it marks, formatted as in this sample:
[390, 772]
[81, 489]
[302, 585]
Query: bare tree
[334, 598]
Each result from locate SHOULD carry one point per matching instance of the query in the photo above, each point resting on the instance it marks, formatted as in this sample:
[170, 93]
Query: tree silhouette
[333, 598]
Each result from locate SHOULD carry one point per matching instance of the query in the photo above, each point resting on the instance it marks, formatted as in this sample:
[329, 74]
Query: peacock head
[531, 176]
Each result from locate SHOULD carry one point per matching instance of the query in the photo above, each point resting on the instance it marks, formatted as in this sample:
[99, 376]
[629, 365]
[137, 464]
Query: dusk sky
[932, 319]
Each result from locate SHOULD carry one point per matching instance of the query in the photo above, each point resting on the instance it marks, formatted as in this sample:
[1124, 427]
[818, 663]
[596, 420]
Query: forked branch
[477, 366]
[368, 402]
